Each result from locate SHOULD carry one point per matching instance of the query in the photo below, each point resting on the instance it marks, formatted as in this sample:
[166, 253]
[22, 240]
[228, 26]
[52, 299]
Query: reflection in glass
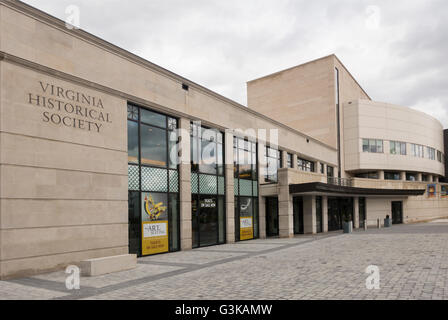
[132, 142]
[208, 220]
[246, 207]
[134, 222]
[173, 150]
[272, 228]
[298, 215]
[194, 220]
[208, 153]
[319, 218]
[153, 118]
[362, 212]
[221, 218]
[256, 232]
[153, 146]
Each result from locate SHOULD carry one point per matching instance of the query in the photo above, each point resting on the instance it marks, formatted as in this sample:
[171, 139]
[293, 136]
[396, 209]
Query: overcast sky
[397, 50]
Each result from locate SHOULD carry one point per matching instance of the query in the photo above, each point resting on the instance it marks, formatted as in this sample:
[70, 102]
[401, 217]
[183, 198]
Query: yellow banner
[154, 237]
[246, 228]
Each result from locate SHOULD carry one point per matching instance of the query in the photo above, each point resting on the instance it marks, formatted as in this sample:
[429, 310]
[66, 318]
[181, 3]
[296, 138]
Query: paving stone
[412, 261]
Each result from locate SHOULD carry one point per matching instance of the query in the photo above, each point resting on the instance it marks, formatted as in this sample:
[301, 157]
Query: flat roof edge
[330, 188]
[104, 44]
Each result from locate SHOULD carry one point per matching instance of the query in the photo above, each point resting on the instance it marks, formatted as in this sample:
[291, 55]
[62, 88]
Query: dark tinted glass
[153, 118]
[153, 146]
[132, 142]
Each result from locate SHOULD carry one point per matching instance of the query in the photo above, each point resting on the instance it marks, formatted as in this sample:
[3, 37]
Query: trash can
[387, 222]
[348, 226]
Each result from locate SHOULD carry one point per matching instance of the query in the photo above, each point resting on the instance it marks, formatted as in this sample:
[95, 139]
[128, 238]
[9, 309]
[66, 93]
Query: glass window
[133, 142]
[160, 202]
[220, 150]
[379, 146]
[273, 163]
[411, 177]
[153, 118]
[398, 148]
[172, 124]
[368, 175]
[362, 212]
[132, 112]
[431, 153]
[424, 177]
[221, 220]
[365, 145]
[305, 165]
[319, 217]
[207, 155]
[174, 222]
[417, 150]
[153, 146]
[173, 156]
[289, 160]
[134, 222]
[392, 176]
[322, 168]
[244, 154]
[246, 187]
[372, 145]
[330, 171]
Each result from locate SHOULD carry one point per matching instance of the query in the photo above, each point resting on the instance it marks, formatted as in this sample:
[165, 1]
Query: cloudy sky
[397, 50]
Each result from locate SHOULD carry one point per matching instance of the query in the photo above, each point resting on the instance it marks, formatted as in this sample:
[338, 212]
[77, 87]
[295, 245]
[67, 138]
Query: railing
[340, 181]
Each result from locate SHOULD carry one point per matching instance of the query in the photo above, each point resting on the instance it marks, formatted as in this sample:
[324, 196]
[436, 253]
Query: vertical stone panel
[185, 186]
[285, 206]
[230, 193]
[356, 212]
[325, 213]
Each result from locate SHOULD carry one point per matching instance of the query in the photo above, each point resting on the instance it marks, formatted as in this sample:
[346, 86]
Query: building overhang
[330, 189]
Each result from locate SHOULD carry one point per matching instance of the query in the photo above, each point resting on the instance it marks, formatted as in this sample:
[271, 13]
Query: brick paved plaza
[413, 262]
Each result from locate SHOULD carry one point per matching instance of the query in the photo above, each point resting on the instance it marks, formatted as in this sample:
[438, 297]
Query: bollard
[365, 225]
[378, 222]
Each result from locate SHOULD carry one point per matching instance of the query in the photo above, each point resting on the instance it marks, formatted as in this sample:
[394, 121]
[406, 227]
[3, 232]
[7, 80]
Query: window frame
[373, 145]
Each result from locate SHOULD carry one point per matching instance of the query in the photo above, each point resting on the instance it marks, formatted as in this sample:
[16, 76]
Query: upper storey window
[151, 138]
[439, 156]
[397, 147]
[245, 159]
[431, 153]
[330, 171]
[372, 145]
[289, 160]
[392, 176]
[273, 160]
[206, 150]
[417, 150]
[305, 165]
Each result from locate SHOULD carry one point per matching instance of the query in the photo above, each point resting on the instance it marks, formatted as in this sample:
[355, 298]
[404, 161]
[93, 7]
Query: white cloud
[395, 49]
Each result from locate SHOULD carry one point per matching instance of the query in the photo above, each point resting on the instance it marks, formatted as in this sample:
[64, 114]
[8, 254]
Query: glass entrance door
[205, 221]
[397, 212]
[272, 217]
[339, 210]
[298, 215]
[362, 212]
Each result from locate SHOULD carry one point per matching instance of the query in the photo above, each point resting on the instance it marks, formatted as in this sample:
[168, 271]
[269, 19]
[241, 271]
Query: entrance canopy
[331, 189]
